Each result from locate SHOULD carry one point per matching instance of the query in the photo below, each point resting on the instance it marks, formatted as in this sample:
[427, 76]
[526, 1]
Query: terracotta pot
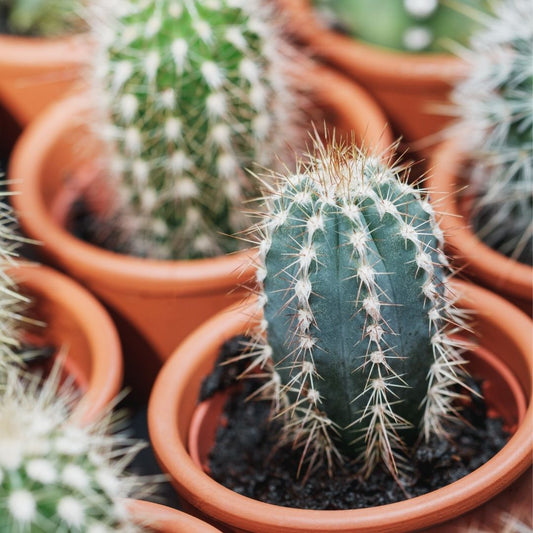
[36, 71]
[155, 304]
[78, 325]
[500, 329]
[162, 519]
[411, 88]
[476, 260]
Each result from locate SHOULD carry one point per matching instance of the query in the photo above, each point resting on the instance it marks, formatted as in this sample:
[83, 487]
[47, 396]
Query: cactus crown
[196, 92]
[495, 107]
[44, 18]
[357, 313]
[409, 25]
[56, 475]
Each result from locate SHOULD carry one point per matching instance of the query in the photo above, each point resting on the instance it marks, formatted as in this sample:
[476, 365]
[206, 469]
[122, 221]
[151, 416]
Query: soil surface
[244, 461]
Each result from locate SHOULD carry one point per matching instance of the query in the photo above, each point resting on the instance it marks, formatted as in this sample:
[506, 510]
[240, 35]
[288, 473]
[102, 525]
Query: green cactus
[43, 18]
[55, 474]
[195, 92]
[356, 310]
[495, 106]
[409, 25]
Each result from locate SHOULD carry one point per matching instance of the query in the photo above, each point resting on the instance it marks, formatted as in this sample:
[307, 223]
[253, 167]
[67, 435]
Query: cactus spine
[495, 107]
[195, 92]
[56, 475]
[356, 310]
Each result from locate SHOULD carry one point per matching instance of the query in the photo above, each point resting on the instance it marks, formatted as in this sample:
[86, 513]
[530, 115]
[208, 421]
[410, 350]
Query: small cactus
[194, 92]
[56, 475]
[495, 107]
[409, 25]
[357, 312]
[43, 18]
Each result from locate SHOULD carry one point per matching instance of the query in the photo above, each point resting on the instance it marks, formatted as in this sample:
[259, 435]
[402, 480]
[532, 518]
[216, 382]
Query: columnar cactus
[56, 475]
[44, 18]
[196, 92]
[496, 110]
[410, 25]
[357, 313]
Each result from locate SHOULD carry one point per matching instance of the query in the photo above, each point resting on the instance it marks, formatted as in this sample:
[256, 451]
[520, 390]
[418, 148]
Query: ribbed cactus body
[196, 93]
[496, 109]
[355, 308]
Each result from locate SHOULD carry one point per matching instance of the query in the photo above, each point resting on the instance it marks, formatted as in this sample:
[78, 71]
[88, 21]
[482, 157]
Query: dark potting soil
[243, 458]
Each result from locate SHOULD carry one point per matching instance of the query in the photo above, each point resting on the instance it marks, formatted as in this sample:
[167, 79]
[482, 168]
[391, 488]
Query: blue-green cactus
[195, 93]
[495, 106]
[356, 310]
[409, 25]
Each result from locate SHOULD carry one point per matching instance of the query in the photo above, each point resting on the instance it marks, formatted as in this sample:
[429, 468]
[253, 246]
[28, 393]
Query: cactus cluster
[57, 475]
[495, 107]
[409, 25]
[43, 18]
[357, 312]
[194, 92]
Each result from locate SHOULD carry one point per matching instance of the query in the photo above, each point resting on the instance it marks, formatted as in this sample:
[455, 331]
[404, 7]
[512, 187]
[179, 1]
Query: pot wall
[35, 72]
[76, 324]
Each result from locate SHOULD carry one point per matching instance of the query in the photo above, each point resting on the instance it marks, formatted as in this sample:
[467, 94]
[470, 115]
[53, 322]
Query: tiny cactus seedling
[195, 92]
[43, 18]
[56, 475]
[495, 106]
[409, 25]
[357, 312]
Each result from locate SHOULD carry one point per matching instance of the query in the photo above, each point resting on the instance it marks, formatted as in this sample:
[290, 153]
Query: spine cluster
[195, 92]
[496, 109]
[356, 310]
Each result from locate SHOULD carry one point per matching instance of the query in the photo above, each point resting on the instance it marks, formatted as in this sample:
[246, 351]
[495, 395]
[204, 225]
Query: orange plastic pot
[500, 329]
[411, 88]
[76, 325]
[36, 71]
[476, 260]
[155, 304]
[161, 519]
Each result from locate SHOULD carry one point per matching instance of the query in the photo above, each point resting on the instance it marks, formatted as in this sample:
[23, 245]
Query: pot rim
[88, 314]
[375, 65]
[493, 268]
[45, 52]
[166, 519]
[240, 511]
[148, 275]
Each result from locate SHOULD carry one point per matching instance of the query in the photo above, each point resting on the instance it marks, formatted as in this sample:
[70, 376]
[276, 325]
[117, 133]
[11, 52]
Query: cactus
[194, 92]
[12, 302]
[357, 312]
[57, 475]
[496, 110]
[409, 25]
[43, 18]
